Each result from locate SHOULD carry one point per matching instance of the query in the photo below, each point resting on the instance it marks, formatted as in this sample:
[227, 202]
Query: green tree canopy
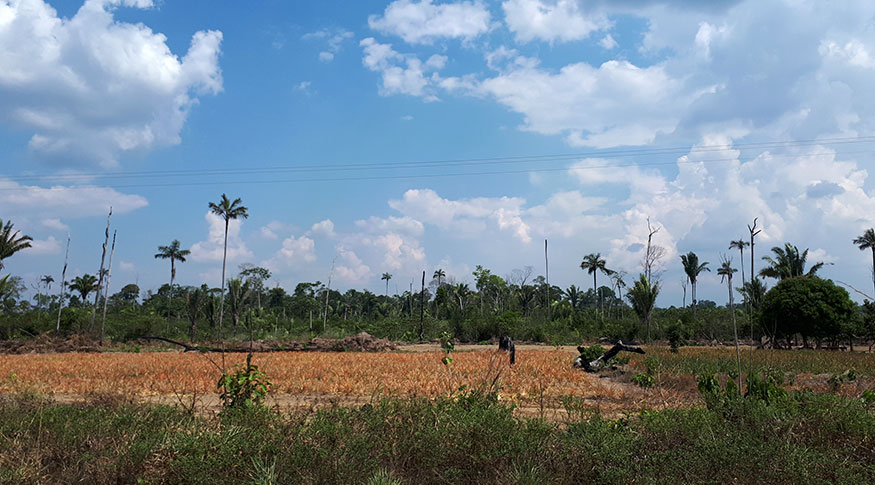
[810, 307]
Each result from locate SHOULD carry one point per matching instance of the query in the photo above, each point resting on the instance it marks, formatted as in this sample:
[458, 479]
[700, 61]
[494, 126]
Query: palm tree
[725, 271]
[238, 294]
[227, 210]
[740, 245]
[84, 284]
[788, 263]
[174, 254]
[387, 277]
[11, 242]
[438, 274]
[693, 268]
[754, 291]
[642, 296]
[867, 241]
[461, 291]
[619, 283]
[573, 296]
[593, 263]
[47, 281]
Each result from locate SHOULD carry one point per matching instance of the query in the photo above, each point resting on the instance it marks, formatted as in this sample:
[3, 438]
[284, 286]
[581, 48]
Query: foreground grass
[803, 438]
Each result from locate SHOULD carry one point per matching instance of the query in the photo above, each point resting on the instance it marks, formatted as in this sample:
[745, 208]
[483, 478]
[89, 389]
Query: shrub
[246, 388]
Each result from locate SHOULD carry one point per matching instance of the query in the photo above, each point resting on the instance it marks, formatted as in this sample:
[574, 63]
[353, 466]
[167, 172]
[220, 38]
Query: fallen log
[598, 364]
[186, 347]
[363, 342]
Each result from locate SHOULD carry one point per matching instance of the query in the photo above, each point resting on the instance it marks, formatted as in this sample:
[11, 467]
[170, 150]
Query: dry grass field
[539, 381]
[537, 384]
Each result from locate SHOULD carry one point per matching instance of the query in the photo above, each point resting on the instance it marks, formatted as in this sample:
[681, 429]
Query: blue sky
[697, 117]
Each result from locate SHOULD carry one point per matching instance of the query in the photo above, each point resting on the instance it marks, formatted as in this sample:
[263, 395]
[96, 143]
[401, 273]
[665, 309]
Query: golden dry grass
[540, 378]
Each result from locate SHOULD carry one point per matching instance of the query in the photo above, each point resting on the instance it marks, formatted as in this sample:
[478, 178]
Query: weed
[246, 388]
[383, 477]
[644, 380]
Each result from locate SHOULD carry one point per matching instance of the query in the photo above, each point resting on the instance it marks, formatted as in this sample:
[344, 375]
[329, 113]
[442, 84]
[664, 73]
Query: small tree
[810, 307]
[642, 297]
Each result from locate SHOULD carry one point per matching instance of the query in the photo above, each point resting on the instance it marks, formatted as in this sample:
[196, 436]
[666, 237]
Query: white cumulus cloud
[92, 88]
[211, 250]
[401, 74]
[551, 21]
[65, 201]
[425, 21]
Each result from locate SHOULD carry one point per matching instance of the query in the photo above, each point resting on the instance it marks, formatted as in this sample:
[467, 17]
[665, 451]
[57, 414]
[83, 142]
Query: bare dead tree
[63, 285]
[100, 273]
[684, 282]
[653, 253]
[422, 310]
[547, 280]
[106, 290]
[327, 291]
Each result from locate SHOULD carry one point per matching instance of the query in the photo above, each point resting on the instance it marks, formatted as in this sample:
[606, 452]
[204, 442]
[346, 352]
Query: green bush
[245, 388]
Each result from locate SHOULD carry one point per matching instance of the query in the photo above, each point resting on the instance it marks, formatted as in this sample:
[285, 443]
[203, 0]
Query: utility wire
[428, 175]
[343, 167]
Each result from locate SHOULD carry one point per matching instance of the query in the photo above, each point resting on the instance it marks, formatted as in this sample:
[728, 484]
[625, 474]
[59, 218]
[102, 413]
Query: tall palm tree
[867, 241]
[725, 271]
[387, 277]
[593, 263]
[11, 242]
[788, 263]
[46, 282]
[227, 210]
[740, 244]
[693, 268]
[84, 284]
[642, 296]
[174, 254]
[438, 274]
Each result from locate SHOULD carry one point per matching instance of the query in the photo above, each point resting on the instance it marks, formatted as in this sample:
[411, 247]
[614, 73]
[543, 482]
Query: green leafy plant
[677, 334]
[644, 380]
[245, 388]
[448, 347]
[383, 477]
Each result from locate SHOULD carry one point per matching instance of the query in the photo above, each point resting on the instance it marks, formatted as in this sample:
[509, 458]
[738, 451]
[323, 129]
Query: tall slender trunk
[873, 267]
[422, 310]
[693, 294]
[106, 290]
[63, 285]
[170, 292]
[741, 250]
[547, 274]
[100, 273]
[734, 328]
[222, 296]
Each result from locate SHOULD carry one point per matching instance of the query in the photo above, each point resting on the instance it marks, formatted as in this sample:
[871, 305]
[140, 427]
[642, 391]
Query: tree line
[799, 306]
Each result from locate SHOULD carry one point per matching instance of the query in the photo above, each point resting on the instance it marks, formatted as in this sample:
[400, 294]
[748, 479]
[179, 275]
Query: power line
[344, 167]
[430, 175]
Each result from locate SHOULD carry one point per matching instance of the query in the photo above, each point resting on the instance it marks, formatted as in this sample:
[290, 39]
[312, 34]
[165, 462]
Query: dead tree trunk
[599, 363]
